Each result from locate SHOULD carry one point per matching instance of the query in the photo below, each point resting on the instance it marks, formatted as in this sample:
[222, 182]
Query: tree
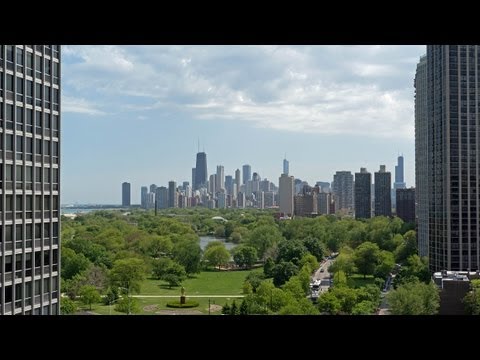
[172, 280]
[236, 237]
[291, 251]
[364, 307]
[226, 309]
[156, 246]
[366, 257]
[328, 303]
[89, 295]
[407, 248]
[244, 308]
[385, 265]
[73, 263]
[217, 255]
[268, 268]
[160, 266]
[294, 287]
[233, 309]
[414, 298]
[309, 261]
[128, 305]
[67, 306]
[96, 276]
[247, 288]
[128, 274]
[282, 272]
[245, 256]
[344, 262]
[264, 237]
[315, 246]
[188, 253]
[220, 231]
[229, 228]
[472, 299]
[254, 279]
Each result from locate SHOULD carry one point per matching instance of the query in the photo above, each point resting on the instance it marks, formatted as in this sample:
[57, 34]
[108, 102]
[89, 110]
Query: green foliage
[219, 231]
[264, 237]
[472, 299]
[386, 263]
[128, 274]
[97, 277]
[226, 309]
[328, 303]
[160, 267]
[67, 306]
[294, 287]
[245, 256]
[291, 251]
[344, 262]
[244, 308]
[236, 237]
[89, 295]
[301, 306]
[268, 268]
[188, 253]
[414, 298]
[217, 255]
[254, 279]
[73, 263]
[366, 258]
[188, 304]
[407, 248]
[234, 310]
[364, 308]
[247, 288]
[156, 246]
[310, 262]
[282, 272]
[111, 296]
[128, 305]
[315, 246]
[172, 280]
[71, 287]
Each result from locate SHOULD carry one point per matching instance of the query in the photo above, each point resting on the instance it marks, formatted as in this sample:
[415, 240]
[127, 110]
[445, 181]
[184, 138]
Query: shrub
[188, 304]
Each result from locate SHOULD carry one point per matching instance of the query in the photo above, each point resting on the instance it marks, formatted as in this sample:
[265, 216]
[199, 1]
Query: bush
[188, 304]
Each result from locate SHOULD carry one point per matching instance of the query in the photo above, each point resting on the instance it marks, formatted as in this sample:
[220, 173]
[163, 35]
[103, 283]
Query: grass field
[204, 283]
[359, 281]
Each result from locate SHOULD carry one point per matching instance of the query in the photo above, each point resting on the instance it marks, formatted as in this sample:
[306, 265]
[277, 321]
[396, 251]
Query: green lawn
[204, 283]
[359, 281]
[162, 305]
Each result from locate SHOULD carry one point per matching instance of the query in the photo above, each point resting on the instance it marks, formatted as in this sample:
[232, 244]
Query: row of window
[40, 200]
[43, 147]
[26, 173]
[26, 290]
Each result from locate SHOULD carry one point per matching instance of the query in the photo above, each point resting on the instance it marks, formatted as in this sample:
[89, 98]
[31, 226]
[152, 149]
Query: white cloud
[78, 105]
[363, 90]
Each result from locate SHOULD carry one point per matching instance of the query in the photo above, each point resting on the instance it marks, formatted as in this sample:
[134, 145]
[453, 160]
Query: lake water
[204, 240]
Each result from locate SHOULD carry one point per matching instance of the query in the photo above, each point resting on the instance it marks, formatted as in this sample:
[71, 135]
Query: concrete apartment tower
[30, 179]
[285, 194]
[383, 197]
[453, 160]
[363, 194]
[126, 197]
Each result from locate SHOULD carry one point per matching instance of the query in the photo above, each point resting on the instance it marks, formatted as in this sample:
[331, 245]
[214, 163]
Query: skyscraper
[237, 180]
[453, 91]
[406, 204]
[201, 175]
[343, 190]
[229, 184]
[30, 179]
[212, 184]
[143, 197]
[162, 197]
[421, 155]
[125, 194]
[285, 194]
[193, 176]
[399, 179]
[172, 194]
[247, 173]
[220, 185]
[285, 166]
[383, 197]
[363, 195]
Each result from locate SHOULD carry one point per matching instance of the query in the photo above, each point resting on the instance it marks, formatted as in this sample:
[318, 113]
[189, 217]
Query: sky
[136, 113]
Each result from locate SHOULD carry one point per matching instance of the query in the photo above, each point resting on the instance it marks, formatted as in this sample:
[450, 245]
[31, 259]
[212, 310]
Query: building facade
[247, 173]
[343, 190]
[363, 194]
[172, 194]
[285, 194]
[406, 204]
[126, 196]
[30, 179]
[421, 155]
[383, 197]
[201, 174]
[453, 98]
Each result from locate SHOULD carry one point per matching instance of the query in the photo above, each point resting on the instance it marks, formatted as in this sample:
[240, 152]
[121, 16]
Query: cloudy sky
[135, 113]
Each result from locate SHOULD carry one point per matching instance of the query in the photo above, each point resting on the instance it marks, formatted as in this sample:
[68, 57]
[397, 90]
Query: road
[323, 276]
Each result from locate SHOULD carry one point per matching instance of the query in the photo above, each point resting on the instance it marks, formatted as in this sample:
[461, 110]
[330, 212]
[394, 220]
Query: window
[38, 174]
[19, 144]
[18, 231]
[29, 63]
[9, 84]
[38, 118]
[20, 89]
[38, 204]
[55, 148]
[9, 142]
[38, 94]
[9, 204]
[28, 207]
[46, 174]
[38, 146]
[20, 56]
[29, 173]
[38, 64]
[29, 145]
[8, 172]
[46, 148]
[19, 174]
[8, 263]
[19, 115]
[28, 230]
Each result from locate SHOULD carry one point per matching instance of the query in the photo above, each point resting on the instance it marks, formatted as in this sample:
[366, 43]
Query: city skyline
[328, 107]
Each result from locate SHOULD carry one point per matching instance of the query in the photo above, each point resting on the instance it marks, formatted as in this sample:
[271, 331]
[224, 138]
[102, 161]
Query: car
[322, 270]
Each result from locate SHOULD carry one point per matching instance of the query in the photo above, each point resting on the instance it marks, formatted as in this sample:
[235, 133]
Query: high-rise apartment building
[383, 196]
[220, 185]
[143, 197]
[453, 131]
[162, 197]
[229, 184]
[343, 190]
[29, 179]
[126, 194]
[363, 195]
[399, 174]
[237, 181]
[201, 175]
[285, 194]
[421, 155]
[324, 200]
[172, 194]
[247, 173]
[406, 204]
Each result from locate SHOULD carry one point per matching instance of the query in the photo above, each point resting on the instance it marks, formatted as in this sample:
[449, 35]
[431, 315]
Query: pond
[204, 240]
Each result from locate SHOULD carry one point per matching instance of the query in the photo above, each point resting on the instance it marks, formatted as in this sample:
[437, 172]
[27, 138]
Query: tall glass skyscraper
[126, 198]
[29, 179]
[201, 175]
[453, 135]
[247, 173]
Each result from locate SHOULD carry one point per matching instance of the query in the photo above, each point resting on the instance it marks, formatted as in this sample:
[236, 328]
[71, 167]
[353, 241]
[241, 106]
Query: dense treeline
[114, 252]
